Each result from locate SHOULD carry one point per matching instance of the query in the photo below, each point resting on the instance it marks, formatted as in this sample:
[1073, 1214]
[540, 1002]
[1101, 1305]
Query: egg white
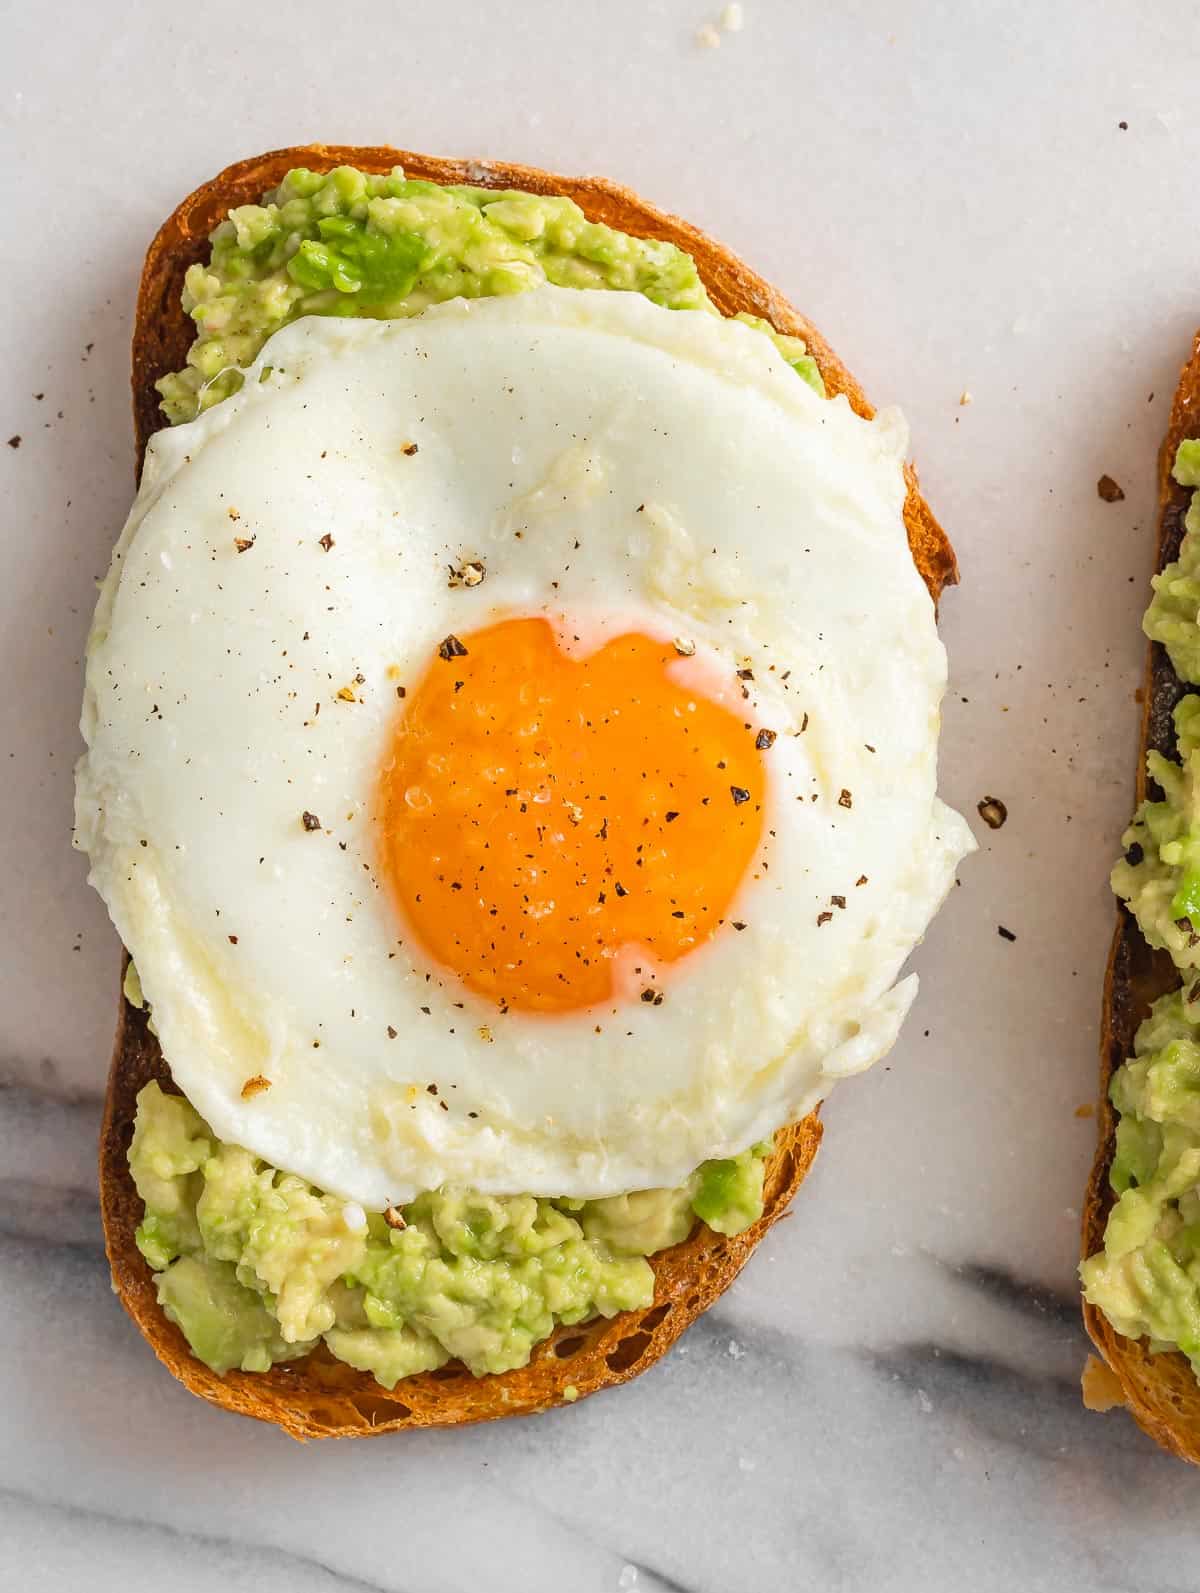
[611, 462]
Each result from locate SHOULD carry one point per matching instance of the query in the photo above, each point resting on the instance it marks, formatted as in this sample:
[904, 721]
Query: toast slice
[318, 1396]
[1160, 1391]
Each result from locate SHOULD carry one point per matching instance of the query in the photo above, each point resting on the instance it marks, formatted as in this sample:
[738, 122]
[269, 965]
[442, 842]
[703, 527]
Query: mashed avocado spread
[348, 243]
[1147, 1278]
[254, 1264]
[257, 1266]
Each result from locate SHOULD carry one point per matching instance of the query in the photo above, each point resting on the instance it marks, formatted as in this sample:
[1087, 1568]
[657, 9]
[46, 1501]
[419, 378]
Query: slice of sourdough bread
[318, 1396]
[1160, 1391]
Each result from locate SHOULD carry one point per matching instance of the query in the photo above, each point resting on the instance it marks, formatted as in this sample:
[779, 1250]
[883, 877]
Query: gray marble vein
[41, 1077]
[165, 1556]
[655, 1581]
[1059, 1306]
[50, 1216]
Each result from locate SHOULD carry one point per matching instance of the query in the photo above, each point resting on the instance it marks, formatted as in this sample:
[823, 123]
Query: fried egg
[511, 747]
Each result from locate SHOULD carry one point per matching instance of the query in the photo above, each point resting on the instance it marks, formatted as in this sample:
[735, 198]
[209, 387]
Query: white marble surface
[889, 1397]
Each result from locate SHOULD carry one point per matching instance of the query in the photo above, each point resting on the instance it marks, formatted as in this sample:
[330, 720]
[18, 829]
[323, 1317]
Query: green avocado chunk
[256, 1266]
[225, 1323]
[349, 243]
[729, 1198]
[1146, 1280]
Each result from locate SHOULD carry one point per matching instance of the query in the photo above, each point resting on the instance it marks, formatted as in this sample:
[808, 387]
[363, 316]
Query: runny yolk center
[541, 812]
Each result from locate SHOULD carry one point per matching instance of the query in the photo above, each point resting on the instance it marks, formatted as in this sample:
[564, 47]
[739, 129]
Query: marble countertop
[968, 199]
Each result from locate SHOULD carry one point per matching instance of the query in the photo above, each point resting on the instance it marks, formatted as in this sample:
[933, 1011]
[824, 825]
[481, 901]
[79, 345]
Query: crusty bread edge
[319, 1396]
[1160, 1391]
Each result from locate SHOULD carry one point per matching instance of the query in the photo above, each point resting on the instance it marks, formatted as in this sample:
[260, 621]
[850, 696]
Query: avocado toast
[1155, 1383]
[318, 1395]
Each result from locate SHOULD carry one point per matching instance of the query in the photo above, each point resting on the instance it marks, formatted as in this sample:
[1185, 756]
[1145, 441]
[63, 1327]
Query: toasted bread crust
[1160, 1391]
[318, 1396]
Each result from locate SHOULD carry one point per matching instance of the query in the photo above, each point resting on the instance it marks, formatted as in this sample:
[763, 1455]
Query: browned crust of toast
[1160, 1391]
[318, 1396]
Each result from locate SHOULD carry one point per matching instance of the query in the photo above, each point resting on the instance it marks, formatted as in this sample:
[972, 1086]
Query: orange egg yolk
[539, 812]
